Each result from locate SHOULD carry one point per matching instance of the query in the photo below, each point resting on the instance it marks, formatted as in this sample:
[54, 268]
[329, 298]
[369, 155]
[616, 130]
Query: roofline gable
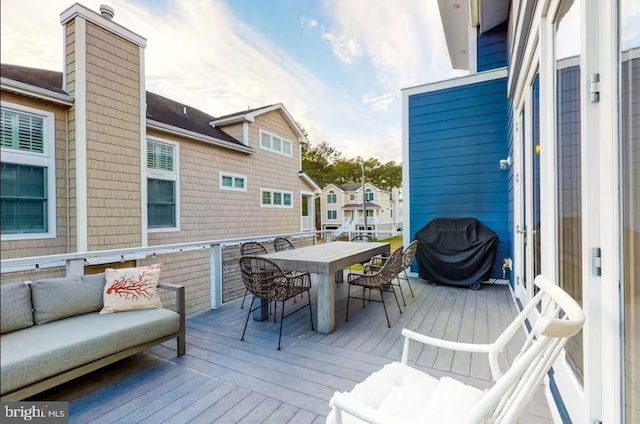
[306, 178]
[34, 91]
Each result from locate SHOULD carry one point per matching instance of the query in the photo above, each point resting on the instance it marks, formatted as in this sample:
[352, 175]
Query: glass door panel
[630, 203]
[568, 163]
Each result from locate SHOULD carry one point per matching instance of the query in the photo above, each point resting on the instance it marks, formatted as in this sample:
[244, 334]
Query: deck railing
[74, 263]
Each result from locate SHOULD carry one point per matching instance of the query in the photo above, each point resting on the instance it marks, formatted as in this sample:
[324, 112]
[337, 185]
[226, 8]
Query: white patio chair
[400, 394]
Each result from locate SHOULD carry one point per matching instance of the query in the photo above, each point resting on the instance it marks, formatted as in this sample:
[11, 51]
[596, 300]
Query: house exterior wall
[456, 139]
[60, 244]
[113, 140]
[492, 48]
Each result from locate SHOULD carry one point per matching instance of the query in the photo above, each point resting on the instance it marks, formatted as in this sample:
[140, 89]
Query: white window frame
[336, 197]
[270, 148]
[373, 196]
[335, 211]
[168, 176]
[271, 205]
[46, 159]
[234, 177]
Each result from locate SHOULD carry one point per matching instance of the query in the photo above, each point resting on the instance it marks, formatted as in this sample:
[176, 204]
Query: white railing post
[75, 267]
[215, 270]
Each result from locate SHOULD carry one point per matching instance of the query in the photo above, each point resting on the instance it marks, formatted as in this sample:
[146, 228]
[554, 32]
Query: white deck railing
[74, 263]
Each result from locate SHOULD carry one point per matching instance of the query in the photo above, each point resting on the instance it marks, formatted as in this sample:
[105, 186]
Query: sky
[337, 65]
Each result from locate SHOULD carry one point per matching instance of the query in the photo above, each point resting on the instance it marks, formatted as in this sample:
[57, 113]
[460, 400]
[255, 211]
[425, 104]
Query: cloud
[381, 102]
[309, 22]
[403, 40]
[345, 49]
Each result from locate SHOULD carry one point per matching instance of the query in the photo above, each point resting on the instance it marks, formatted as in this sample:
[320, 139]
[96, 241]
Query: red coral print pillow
[131, 289]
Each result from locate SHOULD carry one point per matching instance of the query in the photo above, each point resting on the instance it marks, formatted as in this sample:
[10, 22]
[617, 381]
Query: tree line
[326, 165]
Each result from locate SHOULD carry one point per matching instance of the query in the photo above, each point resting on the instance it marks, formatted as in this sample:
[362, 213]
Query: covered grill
[456, 251]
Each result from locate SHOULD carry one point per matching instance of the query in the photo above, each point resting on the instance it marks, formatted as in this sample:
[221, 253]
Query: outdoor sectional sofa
[53, 332]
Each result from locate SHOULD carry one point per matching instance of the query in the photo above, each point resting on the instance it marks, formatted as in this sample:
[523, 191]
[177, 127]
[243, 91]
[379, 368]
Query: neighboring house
[541, 143]
[92, 161]
[341, 208]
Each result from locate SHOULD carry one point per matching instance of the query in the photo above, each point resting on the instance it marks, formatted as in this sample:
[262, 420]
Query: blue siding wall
[457, 137]
[510, 183]
[492, 48]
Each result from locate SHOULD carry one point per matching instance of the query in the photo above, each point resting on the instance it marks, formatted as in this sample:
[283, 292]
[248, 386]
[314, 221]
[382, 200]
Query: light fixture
[456, 6]
[505, 163]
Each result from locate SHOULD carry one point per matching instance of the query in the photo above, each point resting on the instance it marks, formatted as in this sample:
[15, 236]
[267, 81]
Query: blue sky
[337, 65]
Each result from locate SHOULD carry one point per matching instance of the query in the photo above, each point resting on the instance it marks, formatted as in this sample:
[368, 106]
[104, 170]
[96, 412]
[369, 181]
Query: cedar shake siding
[113, 141]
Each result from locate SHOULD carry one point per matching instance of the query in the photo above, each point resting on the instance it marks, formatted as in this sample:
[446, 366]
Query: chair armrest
[181, 309]
[446, 344]
[350, 405]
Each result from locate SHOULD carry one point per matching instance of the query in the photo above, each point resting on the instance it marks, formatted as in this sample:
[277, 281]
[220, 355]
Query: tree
[326, 165]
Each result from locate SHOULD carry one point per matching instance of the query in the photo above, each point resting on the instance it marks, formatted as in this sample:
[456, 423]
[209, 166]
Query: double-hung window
[28, 193]
[332, 214]
[275, 143]
[163, 186]
[275, 198]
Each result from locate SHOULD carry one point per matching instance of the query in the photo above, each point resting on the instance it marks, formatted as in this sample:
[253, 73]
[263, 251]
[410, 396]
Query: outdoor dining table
[324, 260]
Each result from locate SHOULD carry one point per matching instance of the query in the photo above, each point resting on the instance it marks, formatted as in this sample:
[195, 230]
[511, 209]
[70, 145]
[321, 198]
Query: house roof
[369, 205]
[159, 108]
[170, 112]
[350, 186]
[249, 115]
[42, 78]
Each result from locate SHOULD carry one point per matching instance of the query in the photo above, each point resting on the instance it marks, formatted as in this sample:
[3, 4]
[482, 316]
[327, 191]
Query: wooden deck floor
[224, 380]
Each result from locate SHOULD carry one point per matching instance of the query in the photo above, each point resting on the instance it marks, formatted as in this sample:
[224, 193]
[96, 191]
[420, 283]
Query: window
[352, 197]
[275, 198]
[332, 214]
[163, 191]
[369, 213]
[275, 143]
[331, 197]
[232, 182]
[27, 173]
[368, 195]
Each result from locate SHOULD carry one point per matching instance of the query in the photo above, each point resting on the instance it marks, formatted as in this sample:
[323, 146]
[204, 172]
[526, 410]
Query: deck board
[224, 380]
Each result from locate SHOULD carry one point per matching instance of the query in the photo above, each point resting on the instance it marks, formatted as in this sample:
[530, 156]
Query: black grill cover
[459, 251]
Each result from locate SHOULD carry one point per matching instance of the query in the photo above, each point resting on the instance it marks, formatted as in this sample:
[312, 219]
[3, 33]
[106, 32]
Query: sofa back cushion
[58, 298]
[15, 307]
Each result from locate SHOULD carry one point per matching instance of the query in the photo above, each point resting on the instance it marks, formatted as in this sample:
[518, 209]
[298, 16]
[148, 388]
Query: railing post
[75, 267]
[215, 270]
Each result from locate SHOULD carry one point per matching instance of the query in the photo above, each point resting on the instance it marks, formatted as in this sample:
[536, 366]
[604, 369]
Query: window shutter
[22, 132]
[159, 156]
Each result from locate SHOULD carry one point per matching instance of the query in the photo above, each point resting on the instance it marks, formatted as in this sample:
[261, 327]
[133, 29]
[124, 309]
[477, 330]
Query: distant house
[93, 161]
[341, 208]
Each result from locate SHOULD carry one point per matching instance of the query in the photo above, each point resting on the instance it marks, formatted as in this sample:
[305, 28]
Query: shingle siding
[492, 48]
[457, 137]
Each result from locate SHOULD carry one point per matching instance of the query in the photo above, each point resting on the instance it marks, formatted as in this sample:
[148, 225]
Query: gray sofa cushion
[15, 307]
[58, 298]
[45, 350]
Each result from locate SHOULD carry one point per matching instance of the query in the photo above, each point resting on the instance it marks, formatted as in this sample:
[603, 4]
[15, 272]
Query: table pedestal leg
[262, 313]
[326, 303]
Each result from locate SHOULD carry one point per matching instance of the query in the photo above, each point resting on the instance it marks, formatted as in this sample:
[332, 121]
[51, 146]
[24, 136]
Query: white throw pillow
[131, 289]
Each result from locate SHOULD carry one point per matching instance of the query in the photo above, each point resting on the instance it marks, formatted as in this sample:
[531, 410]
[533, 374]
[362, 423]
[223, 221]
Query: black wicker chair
[281, 243]
[251, 248]
[380, 280]
[266, 280]
[407, 258]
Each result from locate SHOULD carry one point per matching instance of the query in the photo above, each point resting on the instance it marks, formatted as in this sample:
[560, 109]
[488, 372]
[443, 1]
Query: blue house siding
[457, 137]
[492, 48]
[511, 183]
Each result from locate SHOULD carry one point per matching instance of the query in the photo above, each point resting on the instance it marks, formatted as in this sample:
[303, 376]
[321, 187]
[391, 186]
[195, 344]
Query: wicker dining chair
[266, 280]
[380, 280]
[251, 248]
[407, 258]
[281, 243]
